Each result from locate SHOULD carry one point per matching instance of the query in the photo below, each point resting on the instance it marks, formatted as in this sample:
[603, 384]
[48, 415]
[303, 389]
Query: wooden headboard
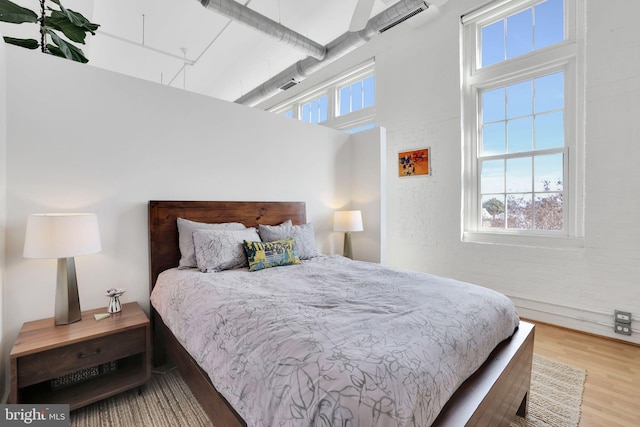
[164, 252]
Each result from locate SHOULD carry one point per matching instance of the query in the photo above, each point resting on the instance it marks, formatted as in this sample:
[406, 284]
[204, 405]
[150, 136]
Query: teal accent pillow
[263, 255]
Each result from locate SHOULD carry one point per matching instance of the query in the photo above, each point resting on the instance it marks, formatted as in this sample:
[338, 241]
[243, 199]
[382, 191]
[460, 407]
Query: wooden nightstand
[82, 362]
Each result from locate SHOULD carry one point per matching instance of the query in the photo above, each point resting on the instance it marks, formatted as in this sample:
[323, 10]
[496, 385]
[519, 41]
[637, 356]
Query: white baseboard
[585, 320]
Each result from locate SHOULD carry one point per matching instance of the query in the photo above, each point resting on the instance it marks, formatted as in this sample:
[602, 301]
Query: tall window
[522, 120]
[346, 102]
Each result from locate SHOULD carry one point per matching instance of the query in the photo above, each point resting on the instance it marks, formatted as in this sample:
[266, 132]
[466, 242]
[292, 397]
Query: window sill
[551, 242]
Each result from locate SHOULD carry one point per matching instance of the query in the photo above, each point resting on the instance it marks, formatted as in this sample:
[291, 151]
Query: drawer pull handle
[82, 356]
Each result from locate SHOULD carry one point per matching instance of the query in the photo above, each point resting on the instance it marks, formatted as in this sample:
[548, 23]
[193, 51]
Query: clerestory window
[315, 110]
[346, 102]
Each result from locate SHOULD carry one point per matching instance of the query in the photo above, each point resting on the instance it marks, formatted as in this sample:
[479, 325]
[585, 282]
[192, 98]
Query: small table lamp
[347, 221]
[63, 236]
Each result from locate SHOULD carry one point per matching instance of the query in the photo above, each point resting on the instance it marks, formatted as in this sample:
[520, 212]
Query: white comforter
[333, 342]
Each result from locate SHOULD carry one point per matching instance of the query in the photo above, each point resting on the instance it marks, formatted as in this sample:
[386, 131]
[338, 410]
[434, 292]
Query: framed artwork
[414, 162]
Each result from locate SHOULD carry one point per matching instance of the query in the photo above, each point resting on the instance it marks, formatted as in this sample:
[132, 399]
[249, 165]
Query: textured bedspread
[333, 342]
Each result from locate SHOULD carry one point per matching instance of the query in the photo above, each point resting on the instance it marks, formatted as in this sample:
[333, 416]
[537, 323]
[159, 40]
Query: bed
[491, 396]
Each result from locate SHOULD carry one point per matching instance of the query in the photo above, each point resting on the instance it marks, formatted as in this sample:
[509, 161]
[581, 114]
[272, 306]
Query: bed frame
[492, 396]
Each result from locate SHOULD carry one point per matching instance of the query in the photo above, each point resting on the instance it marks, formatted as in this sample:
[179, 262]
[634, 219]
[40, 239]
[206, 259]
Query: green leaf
[76, 18]
[28, 43]
[60, 22]
[67, 50]
[55, 50]
[84, 22]
[14, 14]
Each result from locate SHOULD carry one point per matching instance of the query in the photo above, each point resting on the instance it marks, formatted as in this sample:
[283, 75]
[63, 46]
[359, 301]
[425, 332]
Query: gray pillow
[271, 233]
[303, 237]
[185, 238]
[218, 250]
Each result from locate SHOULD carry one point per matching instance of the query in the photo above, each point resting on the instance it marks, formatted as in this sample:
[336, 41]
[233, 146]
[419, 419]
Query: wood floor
[612, 389]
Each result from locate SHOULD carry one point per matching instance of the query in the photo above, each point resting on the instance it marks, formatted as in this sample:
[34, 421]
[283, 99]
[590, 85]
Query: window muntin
[523, 116]
[523, 32]
[356, 96]
[314, 111]
[527, 191]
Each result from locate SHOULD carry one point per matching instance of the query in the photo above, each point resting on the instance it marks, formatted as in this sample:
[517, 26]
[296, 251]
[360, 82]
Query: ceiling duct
[250, 17]
[336, 49]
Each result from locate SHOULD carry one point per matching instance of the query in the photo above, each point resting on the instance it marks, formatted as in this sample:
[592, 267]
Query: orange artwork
[415, 162]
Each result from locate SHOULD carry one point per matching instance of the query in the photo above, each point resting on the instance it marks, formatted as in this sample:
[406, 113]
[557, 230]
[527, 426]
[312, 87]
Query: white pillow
[185, 238]
[218, 250]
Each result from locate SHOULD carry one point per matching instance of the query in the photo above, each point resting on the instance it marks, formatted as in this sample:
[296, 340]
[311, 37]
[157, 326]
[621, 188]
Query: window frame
[566, 56]
[331, 88]
[315, 96]
[348, 83]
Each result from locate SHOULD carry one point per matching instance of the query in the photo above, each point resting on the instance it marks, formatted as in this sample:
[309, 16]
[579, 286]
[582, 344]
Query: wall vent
[288, 85]
[402, 19]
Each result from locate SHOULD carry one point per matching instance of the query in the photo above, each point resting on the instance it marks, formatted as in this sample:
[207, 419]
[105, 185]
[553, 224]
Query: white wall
[3, 193]
[574, 288]
[369, 194]
[418, 101]
[84, 139]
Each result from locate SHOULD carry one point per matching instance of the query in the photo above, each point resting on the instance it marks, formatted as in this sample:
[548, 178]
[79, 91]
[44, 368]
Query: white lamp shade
[61, 235]
[347, 221]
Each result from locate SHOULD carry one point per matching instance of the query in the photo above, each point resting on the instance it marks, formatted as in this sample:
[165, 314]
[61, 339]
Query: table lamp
[63, 236]
[347, 221]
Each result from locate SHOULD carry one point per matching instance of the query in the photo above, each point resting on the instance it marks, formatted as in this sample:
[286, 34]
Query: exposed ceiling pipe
[240, 13]
[339, 47]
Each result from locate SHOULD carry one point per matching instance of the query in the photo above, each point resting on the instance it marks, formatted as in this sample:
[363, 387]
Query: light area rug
[165, 401]
[555, 395]
[555, 399]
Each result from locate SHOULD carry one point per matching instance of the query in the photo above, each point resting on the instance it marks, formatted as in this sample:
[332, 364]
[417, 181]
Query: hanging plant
[53, 23]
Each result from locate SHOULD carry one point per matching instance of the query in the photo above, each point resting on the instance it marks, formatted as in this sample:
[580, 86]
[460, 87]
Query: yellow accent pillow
[263, 255]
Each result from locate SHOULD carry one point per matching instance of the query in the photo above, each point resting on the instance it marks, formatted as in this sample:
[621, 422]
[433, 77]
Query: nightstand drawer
[53, 363]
